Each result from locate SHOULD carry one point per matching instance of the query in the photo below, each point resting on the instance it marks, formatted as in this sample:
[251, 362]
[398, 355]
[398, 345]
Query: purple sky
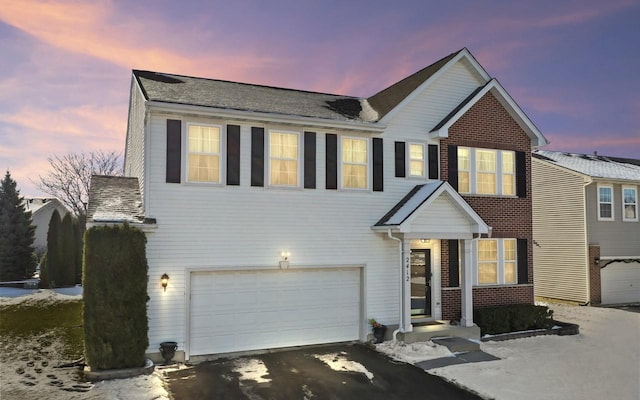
[65, 66]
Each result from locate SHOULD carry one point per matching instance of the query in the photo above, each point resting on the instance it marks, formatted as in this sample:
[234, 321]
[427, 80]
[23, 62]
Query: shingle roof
[593, 165]
[114, 199]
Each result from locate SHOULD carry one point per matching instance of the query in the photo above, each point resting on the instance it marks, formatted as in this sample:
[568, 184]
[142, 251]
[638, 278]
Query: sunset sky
[65, 66]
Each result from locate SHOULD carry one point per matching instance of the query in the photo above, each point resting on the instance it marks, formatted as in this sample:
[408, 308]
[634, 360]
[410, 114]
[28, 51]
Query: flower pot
[378, 333]
[168, 350]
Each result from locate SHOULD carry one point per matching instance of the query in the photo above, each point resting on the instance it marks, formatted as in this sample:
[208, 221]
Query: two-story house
[586, 227]
[285, 217]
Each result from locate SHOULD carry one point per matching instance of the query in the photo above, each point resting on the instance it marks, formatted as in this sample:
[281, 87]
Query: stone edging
[107, 374]
[564, 328]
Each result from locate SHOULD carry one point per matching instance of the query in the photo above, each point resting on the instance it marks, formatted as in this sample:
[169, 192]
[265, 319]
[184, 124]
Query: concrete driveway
[327, 372]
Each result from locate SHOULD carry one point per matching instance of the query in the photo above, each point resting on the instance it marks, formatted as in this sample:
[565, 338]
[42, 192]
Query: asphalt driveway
[329, 372]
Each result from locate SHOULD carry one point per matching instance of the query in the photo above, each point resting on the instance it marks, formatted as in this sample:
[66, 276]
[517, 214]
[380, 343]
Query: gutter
[401, 321]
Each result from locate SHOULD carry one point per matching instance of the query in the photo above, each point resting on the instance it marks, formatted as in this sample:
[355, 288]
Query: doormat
[428, 323]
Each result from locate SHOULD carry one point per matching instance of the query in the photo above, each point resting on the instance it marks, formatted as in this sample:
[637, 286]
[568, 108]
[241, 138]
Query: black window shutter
[257, 156]
[233, 155]
[523, 262]
[400, 160]
[454, 265]
[453, 166]
[332, 161]
[521, 174]
[174, 150]
[309, 160]
[433, 161]
[378, 178]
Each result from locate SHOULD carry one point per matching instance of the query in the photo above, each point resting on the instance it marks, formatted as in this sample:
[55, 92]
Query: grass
[62, 319]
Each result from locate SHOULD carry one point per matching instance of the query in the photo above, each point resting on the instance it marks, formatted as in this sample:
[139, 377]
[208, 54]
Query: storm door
[421, 283]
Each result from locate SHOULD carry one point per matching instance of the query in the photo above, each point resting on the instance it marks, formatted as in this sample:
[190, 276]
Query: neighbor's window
[354, 163]
[283, 158]
[416, 159]
[204, 153]
[464, 168]
[629, 203]
[605, 203]
[487, 172]
[497, 261]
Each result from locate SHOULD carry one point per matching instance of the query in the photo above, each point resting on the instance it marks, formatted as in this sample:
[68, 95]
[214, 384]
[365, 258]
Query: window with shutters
[629, 203]
[486, 171]
[284, 155]
[605, 202]
[497, 262]
[203, 143]
[416, 160]
[355, 163]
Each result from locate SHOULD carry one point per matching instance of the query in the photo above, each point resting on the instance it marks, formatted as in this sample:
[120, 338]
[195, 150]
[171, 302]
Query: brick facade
[595, 287]
[487, 124]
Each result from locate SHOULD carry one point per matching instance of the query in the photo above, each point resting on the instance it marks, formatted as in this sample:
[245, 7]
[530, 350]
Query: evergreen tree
[68, 252]
[17, 235]
[77, 233]
[54, 250]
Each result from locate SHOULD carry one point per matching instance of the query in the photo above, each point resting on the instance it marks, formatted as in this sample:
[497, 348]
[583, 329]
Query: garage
[245, 310]
[620, 283]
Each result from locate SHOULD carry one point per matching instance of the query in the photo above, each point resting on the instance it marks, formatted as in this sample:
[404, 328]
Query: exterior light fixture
[425, 240]
[164, 281]
[596, 260]
[284, 259]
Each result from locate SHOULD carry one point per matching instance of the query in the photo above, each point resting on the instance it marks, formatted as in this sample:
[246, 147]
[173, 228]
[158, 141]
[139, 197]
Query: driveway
[328, 372]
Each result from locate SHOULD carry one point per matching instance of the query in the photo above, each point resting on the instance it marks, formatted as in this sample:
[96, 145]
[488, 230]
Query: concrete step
[457, 344]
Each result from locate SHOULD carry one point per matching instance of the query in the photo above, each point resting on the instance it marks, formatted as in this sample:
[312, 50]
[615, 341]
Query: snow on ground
[339, 362]
[413, 352]
[10, 295]
[251, 369]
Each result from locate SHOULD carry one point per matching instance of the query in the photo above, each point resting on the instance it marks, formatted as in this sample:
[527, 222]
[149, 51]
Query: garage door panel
[248, 310]
[620, 283]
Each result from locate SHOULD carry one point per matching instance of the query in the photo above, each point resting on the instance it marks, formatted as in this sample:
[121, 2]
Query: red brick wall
[595, 288]
[488, 125]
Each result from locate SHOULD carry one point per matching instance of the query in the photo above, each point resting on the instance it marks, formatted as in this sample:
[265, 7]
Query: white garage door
[249, 310]
[620, 283]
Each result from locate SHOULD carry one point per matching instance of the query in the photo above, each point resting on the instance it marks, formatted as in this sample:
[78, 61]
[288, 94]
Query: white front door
[248, 310]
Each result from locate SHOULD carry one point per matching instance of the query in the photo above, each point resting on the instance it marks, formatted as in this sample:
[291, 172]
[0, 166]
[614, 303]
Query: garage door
[249, 310]
[620, 283]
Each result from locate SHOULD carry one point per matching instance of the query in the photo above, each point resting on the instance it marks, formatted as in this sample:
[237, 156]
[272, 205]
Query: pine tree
[54, 250]
[77, 233]
[17, 260]
[68, 256]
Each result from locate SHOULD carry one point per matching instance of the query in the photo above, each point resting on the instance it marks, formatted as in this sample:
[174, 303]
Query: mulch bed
[560, 329]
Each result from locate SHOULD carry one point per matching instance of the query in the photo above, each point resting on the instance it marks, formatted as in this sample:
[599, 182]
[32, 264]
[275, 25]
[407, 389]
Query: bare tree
[70, 177]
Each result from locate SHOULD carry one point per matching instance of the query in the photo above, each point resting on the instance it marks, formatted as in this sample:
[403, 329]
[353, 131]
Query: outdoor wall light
[425, 240]
[284, 259]
[596, 260]
[164, 281]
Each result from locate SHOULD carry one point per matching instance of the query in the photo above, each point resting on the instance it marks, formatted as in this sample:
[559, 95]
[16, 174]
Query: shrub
[513, 318]
[67, 271]
[54, 250]
[115, 297]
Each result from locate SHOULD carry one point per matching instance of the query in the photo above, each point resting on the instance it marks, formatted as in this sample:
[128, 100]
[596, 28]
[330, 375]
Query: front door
[421, 283]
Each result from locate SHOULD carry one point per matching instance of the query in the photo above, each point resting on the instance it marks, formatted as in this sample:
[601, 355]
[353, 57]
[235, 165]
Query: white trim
[222, 130]
[369, 164]
[613, 213]
[635, 189]
[298, 160]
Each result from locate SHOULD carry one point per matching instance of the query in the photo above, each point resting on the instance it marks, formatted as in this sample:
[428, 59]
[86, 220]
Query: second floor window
[204, 153]
[283, 158]
[486, 171]
[416, 159]
[605, 203]
[629, 203]
[355, 159]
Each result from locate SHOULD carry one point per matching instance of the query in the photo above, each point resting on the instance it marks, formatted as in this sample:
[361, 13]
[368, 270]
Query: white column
[466, 284]
[406, 286]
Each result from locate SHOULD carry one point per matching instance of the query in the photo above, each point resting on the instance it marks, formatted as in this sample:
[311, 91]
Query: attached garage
[620, 283]
[243, 310]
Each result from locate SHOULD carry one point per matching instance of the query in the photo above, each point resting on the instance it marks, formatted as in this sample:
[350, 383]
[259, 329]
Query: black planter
[168, 350]
[378, 333]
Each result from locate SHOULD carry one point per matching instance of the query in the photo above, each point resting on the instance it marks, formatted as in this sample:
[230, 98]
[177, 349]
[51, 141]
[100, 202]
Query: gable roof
[594, 166]
[494, 87]
[114, 199]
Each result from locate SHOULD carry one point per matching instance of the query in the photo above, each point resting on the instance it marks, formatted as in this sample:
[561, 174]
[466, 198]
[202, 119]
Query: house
[284, 217]
[41, 209]
[586, 228]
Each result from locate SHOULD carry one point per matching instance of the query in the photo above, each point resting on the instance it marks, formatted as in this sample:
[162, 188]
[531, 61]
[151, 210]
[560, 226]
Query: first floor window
[354, 163]
[283, 156]
[204, 153]
[487, 262]
[497, 261]
[630, 203]
[605, 203]
[416, 159]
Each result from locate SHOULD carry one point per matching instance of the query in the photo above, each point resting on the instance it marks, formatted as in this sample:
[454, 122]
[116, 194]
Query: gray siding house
[585, 227]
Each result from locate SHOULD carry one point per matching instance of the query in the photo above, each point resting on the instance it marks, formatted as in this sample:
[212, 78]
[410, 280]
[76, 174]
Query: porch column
[406, 286]
[466, 284]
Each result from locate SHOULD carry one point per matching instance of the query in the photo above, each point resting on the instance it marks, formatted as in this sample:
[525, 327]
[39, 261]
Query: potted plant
[378, 330]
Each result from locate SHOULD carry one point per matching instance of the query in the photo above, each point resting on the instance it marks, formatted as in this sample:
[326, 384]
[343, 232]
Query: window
[416, 159]
[354, 163]
[497, 261]
[486, 172]
[605, 203]
[283, 158]
[204, 153]
[629, 203]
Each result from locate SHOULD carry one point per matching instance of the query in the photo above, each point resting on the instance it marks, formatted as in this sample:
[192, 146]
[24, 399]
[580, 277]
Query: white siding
[559, 232]
[135, 149]
[442, 216]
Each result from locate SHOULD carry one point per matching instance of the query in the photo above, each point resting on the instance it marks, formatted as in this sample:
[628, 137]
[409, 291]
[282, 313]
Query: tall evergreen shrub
[78, 230]
[54, 261]
[67, 276]
[115, 297]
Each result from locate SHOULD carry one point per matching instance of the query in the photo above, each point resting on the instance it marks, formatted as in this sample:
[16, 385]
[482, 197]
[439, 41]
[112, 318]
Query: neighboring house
[284, 217]
[41, 210]
[586, 227]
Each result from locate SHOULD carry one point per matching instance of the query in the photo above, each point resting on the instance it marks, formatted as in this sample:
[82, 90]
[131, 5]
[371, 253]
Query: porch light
[164, 281]
[284, 259]
[425, 240]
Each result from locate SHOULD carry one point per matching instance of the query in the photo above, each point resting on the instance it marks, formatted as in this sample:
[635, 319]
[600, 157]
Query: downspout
[587, 182]
[401, 294]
